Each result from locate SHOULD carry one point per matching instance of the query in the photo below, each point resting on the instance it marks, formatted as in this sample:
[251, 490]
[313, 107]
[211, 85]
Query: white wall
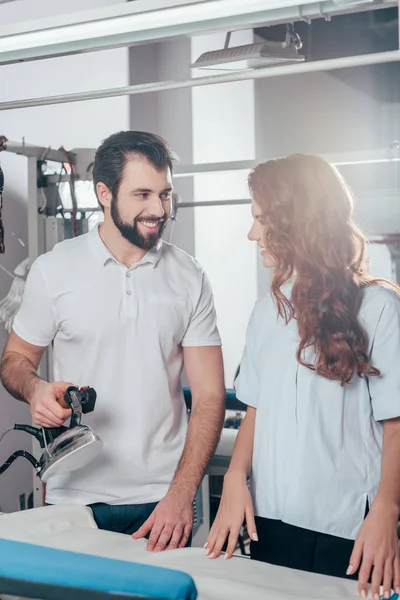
[327, 113]
[224, 130]
[168, 114]
[202, 125]
[380, 262]
[82, 124]
[313, 113]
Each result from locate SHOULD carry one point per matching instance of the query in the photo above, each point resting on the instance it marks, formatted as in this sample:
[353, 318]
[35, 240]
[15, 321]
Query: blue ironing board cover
[29, 562]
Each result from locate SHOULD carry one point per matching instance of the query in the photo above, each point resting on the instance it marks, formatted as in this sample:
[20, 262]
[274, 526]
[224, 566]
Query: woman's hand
[376, 552]
[235, 507]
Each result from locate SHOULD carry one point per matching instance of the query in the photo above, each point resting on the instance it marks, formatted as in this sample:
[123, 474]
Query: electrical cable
[3, 146]
[14, 457]
[5, 433]
[71, 181]
[42, 208]
[61, 210]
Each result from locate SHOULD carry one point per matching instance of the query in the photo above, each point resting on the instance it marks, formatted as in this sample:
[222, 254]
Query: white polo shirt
[120, 331]
[317, 446]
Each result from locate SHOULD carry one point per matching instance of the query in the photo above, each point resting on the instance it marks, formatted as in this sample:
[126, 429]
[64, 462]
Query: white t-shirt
[317, 446]
[120, 331]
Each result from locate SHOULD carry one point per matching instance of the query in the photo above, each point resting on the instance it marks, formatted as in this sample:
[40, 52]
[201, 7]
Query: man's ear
[104, 194]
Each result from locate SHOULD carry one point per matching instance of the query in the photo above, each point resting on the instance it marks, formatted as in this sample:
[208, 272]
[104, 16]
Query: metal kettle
[65, 448]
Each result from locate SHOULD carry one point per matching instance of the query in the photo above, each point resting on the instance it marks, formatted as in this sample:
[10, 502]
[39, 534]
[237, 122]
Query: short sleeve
[35, 321]
[385, 356]
[202, 329]
[247, 381]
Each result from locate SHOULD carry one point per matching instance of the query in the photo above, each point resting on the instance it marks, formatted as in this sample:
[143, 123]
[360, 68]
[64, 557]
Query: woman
[321, 377]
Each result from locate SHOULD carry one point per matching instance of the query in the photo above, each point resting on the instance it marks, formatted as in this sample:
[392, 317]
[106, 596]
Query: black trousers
[297, 548]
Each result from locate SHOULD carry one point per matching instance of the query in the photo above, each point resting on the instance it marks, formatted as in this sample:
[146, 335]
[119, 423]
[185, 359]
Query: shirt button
[128, 292]
[128, 273]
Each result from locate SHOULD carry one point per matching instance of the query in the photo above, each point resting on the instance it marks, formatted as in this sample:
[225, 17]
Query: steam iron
[65, 448]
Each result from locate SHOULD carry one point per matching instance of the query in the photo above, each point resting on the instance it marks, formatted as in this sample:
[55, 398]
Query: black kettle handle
[81, 401]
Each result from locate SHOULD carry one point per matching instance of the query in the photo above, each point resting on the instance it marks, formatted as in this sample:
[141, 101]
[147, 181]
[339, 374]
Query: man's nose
[156, 208]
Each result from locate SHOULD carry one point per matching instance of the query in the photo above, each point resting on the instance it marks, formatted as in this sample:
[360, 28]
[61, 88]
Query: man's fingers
[50, 412]
[60, 394]
[164, 538]
[186, 534]
[45, 418]
[156, 531]
[145, 528]
[176, 537]
[42, 422]
[58, 411]
[66, 414]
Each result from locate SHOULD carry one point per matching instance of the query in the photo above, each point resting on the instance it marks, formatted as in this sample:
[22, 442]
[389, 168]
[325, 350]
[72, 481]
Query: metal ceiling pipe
[275, 71]
[151, 21]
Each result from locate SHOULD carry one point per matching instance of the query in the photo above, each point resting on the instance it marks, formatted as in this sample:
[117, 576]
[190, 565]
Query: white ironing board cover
[72, 527]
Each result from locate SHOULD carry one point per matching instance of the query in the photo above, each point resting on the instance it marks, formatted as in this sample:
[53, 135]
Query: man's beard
[132, 233]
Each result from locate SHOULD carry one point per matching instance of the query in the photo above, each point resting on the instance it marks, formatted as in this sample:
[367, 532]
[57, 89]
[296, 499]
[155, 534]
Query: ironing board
[73, 528]
[46, 573]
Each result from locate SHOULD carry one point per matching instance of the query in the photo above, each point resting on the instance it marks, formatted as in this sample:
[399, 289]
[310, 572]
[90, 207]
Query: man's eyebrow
[148, 191]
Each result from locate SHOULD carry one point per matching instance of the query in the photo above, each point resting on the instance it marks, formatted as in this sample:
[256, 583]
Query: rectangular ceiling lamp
[256, 55]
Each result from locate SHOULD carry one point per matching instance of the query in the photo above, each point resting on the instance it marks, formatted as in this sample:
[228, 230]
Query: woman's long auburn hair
[309, 232]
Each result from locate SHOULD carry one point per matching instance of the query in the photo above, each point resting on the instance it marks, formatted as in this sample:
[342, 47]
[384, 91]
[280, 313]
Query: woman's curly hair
[309, 232]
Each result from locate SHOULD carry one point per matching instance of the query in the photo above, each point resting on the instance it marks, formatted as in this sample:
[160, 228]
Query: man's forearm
[203, 435]
[389, 489]
[18, 376]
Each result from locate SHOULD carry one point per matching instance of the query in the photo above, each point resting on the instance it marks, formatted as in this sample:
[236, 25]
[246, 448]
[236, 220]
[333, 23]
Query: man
[125, 312]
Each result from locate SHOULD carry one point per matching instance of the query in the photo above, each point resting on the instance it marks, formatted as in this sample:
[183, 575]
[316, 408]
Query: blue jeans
[126, 518]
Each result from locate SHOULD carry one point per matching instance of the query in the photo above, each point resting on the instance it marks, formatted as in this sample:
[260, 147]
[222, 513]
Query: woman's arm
[236, 504]
[389, 489]
[376, 548]
[243, 451]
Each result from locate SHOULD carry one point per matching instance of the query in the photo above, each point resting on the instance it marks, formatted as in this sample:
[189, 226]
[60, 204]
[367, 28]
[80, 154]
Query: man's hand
[48, 408]
[170, 523]
[376, 552]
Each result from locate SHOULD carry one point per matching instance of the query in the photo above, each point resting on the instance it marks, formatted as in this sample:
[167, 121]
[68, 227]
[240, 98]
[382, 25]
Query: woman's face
[257, 234]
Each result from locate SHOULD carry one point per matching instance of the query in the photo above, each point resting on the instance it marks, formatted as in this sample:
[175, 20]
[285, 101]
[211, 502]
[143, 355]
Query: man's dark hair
[114, 152]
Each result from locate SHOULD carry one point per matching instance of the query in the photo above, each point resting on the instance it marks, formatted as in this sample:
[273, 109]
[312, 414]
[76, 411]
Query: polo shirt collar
[105, 256]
